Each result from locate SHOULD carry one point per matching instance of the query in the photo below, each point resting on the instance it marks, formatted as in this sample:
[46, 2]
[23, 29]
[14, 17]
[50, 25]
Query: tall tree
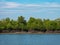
[21, 23]
[30, 23]
[58, 24]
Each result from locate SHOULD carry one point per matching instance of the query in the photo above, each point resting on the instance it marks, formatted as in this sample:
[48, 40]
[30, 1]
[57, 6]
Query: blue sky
[30, 8]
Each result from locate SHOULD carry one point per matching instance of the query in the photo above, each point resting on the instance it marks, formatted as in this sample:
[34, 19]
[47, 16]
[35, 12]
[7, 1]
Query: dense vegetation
[32, 25]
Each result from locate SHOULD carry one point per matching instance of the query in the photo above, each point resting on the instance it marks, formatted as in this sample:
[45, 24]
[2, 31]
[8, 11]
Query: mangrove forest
[8, 25]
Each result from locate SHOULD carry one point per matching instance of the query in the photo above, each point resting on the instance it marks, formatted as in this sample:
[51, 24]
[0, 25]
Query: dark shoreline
[30, 33]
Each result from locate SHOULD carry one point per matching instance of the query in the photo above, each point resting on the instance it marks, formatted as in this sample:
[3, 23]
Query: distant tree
[58, 24]
[30, 23]
[7, 20]
[33, 24]
[50, 25]
[21, 23]
[53, 25]
[47, 24]
[14, 25]
[2, 25]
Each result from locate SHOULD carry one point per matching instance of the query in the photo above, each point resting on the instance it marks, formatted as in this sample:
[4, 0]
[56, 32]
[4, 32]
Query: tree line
[32, 25]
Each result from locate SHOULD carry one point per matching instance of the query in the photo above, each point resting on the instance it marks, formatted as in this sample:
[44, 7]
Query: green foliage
[32, 24]
[58, 24]
[21, 23]
[14, 25]
[2, 25]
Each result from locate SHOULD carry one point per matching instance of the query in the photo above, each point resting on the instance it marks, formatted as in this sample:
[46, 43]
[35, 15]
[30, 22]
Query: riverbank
[31, 33]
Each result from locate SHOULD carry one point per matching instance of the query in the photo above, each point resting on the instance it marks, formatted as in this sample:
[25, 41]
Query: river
[29, 39]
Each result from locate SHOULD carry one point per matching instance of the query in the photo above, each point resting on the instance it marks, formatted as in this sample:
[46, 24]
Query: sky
[44, 9]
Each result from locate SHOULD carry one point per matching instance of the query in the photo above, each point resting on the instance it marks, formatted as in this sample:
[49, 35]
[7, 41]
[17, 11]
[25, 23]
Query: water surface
[29, 39]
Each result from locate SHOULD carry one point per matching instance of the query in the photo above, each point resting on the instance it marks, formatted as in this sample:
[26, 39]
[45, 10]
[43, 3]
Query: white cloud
[14, 8]
[18, 5]
[50, 5]
[9, 4]
[32, 5]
